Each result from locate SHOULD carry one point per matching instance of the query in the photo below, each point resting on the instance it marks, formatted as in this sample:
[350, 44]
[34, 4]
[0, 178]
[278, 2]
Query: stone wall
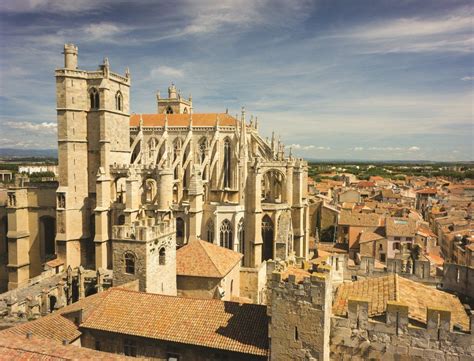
[157, 349]
[300, 317]
[253, 283]
[459, 279]
[358, 338]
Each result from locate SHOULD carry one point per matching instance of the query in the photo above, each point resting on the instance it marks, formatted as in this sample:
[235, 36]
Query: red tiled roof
[415, 295]
[183, 120]
[212, 323]
[15, 347]
[203, 259]
[365, 184]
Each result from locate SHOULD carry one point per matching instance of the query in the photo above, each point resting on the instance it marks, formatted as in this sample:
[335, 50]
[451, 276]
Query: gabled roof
[427, 191]
[203, 259]
[415, 295]
[183, 120]
[210, 323]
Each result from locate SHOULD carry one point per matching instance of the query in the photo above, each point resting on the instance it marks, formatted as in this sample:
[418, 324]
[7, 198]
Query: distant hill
[39, 153]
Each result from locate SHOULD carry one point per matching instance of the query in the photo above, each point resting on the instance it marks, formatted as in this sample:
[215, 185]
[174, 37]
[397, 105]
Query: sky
[368, 80]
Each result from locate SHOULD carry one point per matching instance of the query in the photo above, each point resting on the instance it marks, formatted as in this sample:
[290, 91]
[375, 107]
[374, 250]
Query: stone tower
[175, 103]
[146, 250]
[93, 133]
[300, 316]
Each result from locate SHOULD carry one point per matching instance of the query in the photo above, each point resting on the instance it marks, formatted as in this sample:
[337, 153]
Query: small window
[97, 345]
[169, 110]
[296, 333]
[94, 98]
[396, 245]
[172, 357]
[162, 258]
[129, 263]
[118, 101]
[130, 347]
[397, 238]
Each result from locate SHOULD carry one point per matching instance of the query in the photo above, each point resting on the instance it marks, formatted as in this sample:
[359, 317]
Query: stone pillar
[80, 282]
[133, 199]
[62, 301]
[100, 280]
[195, 193]
[165, 189]
[44, 302]
[253, 218]
[69, 285]
[18, 238]
[101, 236]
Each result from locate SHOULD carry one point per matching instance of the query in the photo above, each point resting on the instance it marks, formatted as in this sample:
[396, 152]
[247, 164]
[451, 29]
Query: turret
[172, 91]
[70, 56]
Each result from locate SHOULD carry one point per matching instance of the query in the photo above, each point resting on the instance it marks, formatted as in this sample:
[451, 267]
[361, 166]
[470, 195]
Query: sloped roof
[369, 237]
[210, 323]
[15, 347]
[203, 259]
[183, 120]
[55, 326]
[359, 219]
[415, 295]
[403, 227]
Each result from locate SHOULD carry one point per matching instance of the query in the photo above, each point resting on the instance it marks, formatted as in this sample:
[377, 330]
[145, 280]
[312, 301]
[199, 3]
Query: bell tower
[175, 103]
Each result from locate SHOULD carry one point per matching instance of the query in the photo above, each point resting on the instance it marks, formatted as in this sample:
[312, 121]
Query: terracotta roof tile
[15, 347]
[182, 120]
[203, 259]
[210, 323]
[417, 296]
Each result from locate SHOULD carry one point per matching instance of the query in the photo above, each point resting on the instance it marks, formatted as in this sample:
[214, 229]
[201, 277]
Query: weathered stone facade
[359, 338]
[212, 175]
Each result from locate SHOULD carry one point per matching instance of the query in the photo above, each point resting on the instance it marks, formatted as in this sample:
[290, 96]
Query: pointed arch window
[162, 257]
[202, 150]
[129, 259]
[227, 161]
[94, 98]
[118, 101]
[226, 234]
[169, 110]
[210, 231]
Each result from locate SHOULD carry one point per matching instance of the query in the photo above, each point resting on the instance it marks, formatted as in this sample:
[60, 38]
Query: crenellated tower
[93, 133]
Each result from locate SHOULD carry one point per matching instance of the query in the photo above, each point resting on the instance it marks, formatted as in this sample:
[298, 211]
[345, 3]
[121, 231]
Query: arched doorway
[267, 238]
[47, 237]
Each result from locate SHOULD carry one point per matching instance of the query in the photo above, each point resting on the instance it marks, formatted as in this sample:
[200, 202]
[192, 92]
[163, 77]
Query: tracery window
[94, 98]
[169, 110]
[226, 234]
[202, 150]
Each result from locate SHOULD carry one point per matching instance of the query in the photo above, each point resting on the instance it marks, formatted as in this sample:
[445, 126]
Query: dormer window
[118, 101]
[94, 98]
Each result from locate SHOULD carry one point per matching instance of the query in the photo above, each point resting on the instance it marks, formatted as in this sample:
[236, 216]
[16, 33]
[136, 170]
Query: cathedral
[134, 187]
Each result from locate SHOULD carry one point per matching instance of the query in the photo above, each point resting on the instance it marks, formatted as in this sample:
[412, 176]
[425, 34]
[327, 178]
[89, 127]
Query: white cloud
[166, 71]
[45, 127]
[308, 147]
[452, 33]
[49, 6]
[358, 149]
[413, 149]
[467, 78]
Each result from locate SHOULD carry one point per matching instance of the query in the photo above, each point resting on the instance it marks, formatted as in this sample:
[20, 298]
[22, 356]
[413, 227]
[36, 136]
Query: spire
[256, 122]
[166, 121]
[243, 131]
[141, 122]
[127, 72]
[273, 142]
[190, 121]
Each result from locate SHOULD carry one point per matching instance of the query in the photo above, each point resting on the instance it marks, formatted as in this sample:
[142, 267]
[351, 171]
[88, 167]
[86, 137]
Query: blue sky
[335, 79]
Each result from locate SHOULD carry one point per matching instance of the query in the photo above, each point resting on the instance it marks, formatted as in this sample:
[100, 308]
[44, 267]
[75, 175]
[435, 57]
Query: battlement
[143, 230]
[398, 334]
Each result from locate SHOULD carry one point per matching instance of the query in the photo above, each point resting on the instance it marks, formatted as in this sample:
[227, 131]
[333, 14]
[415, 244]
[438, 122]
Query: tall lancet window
[118, 101]
[227, 161]
[94, 98]
[226, 234]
